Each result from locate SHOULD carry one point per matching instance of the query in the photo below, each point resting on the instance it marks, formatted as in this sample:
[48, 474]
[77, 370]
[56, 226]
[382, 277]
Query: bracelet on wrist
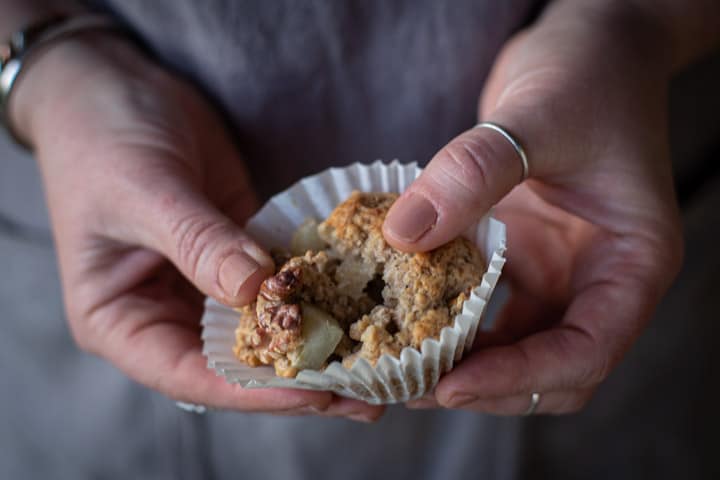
[27, 43]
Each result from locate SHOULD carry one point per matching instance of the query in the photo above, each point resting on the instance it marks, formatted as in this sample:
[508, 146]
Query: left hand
[146, 193]
[594, 234]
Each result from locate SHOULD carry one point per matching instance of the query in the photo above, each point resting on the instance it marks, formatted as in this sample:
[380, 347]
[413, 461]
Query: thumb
[209, 248]
[460, 184]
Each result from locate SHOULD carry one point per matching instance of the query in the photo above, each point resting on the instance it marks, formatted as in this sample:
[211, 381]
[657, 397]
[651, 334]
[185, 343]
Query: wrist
[615, 27]
[21, 13]
[60, 73]
[680, 31]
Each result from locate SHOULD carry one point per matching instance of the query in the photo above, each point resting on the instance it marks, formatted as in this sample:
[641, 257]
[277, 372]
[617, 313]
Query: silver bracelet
[24, 44]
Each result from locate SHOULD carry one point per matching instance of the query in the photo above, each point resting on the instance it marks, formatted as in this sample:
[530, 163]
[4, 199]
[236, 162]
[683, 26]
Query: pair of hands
[146, 191]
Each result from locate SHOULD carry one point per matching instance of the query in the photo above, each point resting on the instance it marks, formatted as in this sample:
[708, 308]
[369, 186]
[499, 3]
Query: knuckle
[596, 371]
[676, 253]
[466, 163]
[657, 258]
[519, 372]
[89, 324]
[666, 260]
[194, 236]
[598, 361]
[82, 334]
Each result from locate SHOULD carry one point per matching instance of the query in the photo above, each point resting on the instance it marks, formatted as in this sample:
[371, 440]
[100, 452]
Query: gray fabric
[404, 444]
[318, 83]
[67, 415]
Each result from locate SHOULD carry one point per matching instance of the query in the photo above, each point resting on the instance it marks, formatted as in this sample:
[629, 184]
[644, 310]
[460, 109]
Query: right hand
[146, 191]
[594, 235]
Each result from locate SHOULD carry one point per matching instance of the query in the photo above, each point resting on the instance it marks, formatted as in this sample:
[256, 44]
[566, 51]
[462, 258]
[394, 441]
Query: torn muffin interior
[343, 293]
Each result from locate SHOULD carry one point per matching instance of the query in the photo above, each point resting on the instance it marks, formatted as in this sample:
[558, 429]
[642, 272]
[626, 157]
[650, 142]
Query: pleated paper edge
[392, 380]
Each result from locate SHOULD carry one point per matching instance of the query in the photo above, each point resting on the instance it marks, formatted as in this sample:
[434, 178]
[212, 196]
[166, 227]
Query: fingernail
[259, 255]
[411, 218]
[460, 399]
[234, 271]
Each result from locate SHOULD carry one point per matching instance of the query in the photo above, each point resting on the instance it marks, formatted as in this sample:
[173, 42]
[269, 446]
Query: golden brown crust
[383, 298]
[355, 226]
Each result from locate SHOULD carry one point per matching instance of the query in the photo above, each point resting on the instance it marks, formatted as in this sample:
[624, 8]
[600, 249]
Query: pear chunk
[306, 238]
[321, 334]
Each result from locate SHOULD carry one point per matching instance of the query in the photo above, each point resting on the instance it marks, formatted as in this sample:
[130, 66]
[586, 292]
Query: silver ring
[192, 407]
[515, 144]
[534, 402]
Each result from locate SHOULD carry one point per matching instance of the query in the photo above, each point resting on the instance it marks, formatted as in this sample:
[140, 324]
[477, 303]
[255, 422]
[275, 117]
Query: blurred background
[66, 414]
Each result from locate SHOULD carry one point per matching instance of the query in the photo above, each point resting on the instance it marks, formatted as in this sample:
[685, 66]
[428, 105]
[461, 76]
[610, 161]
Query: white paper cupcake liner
[392, 380]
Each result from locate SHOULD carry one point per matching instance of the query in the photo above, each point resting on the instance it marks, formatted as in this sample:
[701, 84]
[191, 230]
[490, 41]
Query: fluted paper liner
[392, 380]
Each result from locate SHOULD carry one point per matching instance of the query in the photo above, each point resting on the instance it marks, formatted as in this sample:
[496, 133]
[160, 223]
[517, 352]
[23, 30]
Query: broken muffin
[342, 293]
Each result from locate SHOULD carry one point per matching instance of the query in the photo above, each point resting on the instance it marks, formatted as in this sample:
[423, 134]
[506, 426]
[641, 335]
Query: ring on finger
[534, 402]
[192, 407]
[515, 144]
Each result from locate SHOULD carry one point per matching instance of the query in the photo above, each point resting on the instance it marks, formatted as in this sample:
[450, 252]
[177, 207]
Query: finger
[425, 402]
[541, 244]
[354, 410]
[462, 181]
[555, 403]
[552, 402]
[151, 334]
[166, 356]
[579, 353]
[209, 248]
